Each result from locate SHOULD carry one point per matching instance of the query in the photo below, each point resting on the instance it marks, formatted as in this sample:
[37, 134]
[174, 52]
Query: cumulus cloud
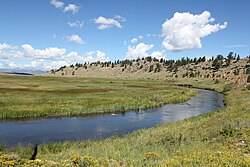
[71, 8]
[27, 57]
[57, 3]
[101, 56]
[76, 24]
[6, 46]
[7, 51]
[105, 23]
[184, 30]
[75, 38]
[47, 53]
[142, 50]
[159, 54]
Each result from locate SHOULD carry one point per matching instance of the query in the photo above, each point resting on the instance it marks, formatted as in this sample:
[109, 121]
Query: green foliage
[217, 81]
[219, 138]
[248, 70]
[34, 96]
[248, 79]
[192, 75]
[227, 87]
[236, 72]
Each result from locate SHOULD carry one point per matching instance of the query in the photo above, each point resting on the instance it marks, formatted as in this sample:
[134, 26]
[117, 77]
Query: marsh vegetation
[220, 138]
[34, 96]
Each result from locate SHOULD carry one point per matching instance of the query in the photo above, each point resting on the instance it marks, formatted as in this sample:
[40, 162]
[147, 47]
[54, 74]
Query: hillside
[229, 69]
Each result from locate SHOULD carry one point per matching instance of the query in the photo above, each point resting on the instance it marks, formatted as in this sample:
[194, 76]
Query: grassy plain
[35, 96]
[219, 138]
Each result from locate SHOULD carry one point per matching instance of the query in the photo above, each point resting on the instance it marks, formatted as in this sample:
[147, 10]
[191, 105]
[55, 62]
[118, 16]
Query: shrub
[217, 81]
[248, 70]
[248, 79]
[227, 87]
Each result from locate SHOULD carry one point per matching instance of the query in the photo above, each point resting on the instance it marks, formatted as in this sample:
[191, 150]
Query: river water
[101, 126]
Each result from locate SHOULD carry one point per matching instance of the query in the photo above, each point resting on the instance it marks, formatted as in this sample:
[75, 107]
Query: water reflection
[80, 128]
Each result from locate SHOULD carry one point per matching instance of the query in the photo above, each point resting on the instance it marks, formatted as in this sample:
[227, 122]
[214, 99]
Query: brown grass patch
[137, 86]
[2, 90]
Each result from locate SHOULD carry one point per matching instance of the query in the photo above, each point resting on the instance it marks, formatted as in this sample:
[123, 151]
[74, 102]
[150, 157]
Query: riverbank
[220, 138]
[35, 96]
[42, 131]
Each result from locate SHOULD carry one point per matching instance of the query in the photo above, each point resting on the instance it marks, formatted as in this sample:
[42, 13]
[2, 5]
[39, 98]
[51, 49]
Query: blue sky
[45, 34]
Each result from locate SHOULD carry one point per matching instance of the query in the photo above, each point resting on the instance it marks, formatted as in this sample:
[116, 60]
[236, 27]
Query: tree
[238, 58]
[191, 75]
[248, 70]
[248, 79]
[229, 58]
[203, 59]
[151, 68]
[217, 64]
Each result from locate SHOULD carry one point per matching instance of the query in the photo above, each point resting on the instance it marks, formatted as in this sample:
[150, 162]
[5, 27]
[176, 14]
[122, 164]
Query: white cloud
[105, 23]
[101, 56]
[138, 51]
[75, 38]
[71, 8]
[47, 53]
[57, 3]
[76, 24]
[68, 8]
[28, 58]
[133, 40]
[184, 31]
[158, 54]
[152, 35]
[142, 50]
[7, 51]
[94, 56]
[6, 46]
[120, 18]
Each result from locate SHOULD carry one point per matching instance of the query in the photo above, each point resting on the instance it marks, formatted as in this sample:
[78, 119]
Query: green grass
[35, 96]
[220, 138]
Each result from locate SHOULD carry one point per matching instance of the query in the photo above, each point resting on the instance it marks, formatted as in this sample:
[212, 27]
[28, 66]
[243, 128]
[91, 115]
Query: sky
[42, 35]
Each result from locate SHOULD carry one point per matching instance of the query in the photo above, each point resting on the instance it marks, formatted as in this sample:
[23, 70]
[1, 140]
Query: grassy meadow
[219, 138]
[35, 96]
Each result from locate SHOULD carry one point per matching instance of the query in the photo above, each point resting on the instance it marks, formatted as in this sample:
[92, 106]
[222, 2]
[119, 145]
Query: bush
[248, 79]
[217, 81]
[227, 87]
[248, 70]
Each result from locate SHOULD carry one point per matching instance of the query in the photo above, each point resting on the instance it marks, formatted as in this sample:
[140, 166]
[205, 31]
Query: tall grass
[34, 96]
[220, 138]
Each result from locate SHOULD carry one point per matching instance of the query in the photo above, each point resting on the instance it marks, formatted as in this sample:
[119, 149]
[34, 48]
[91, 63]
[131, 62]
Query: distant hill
[230, 69]
[15, 73]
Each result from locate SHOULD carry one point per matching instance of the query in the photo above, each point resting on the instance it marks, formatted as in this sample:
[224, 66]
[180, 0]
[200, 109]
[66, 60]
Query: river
[47, 130]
